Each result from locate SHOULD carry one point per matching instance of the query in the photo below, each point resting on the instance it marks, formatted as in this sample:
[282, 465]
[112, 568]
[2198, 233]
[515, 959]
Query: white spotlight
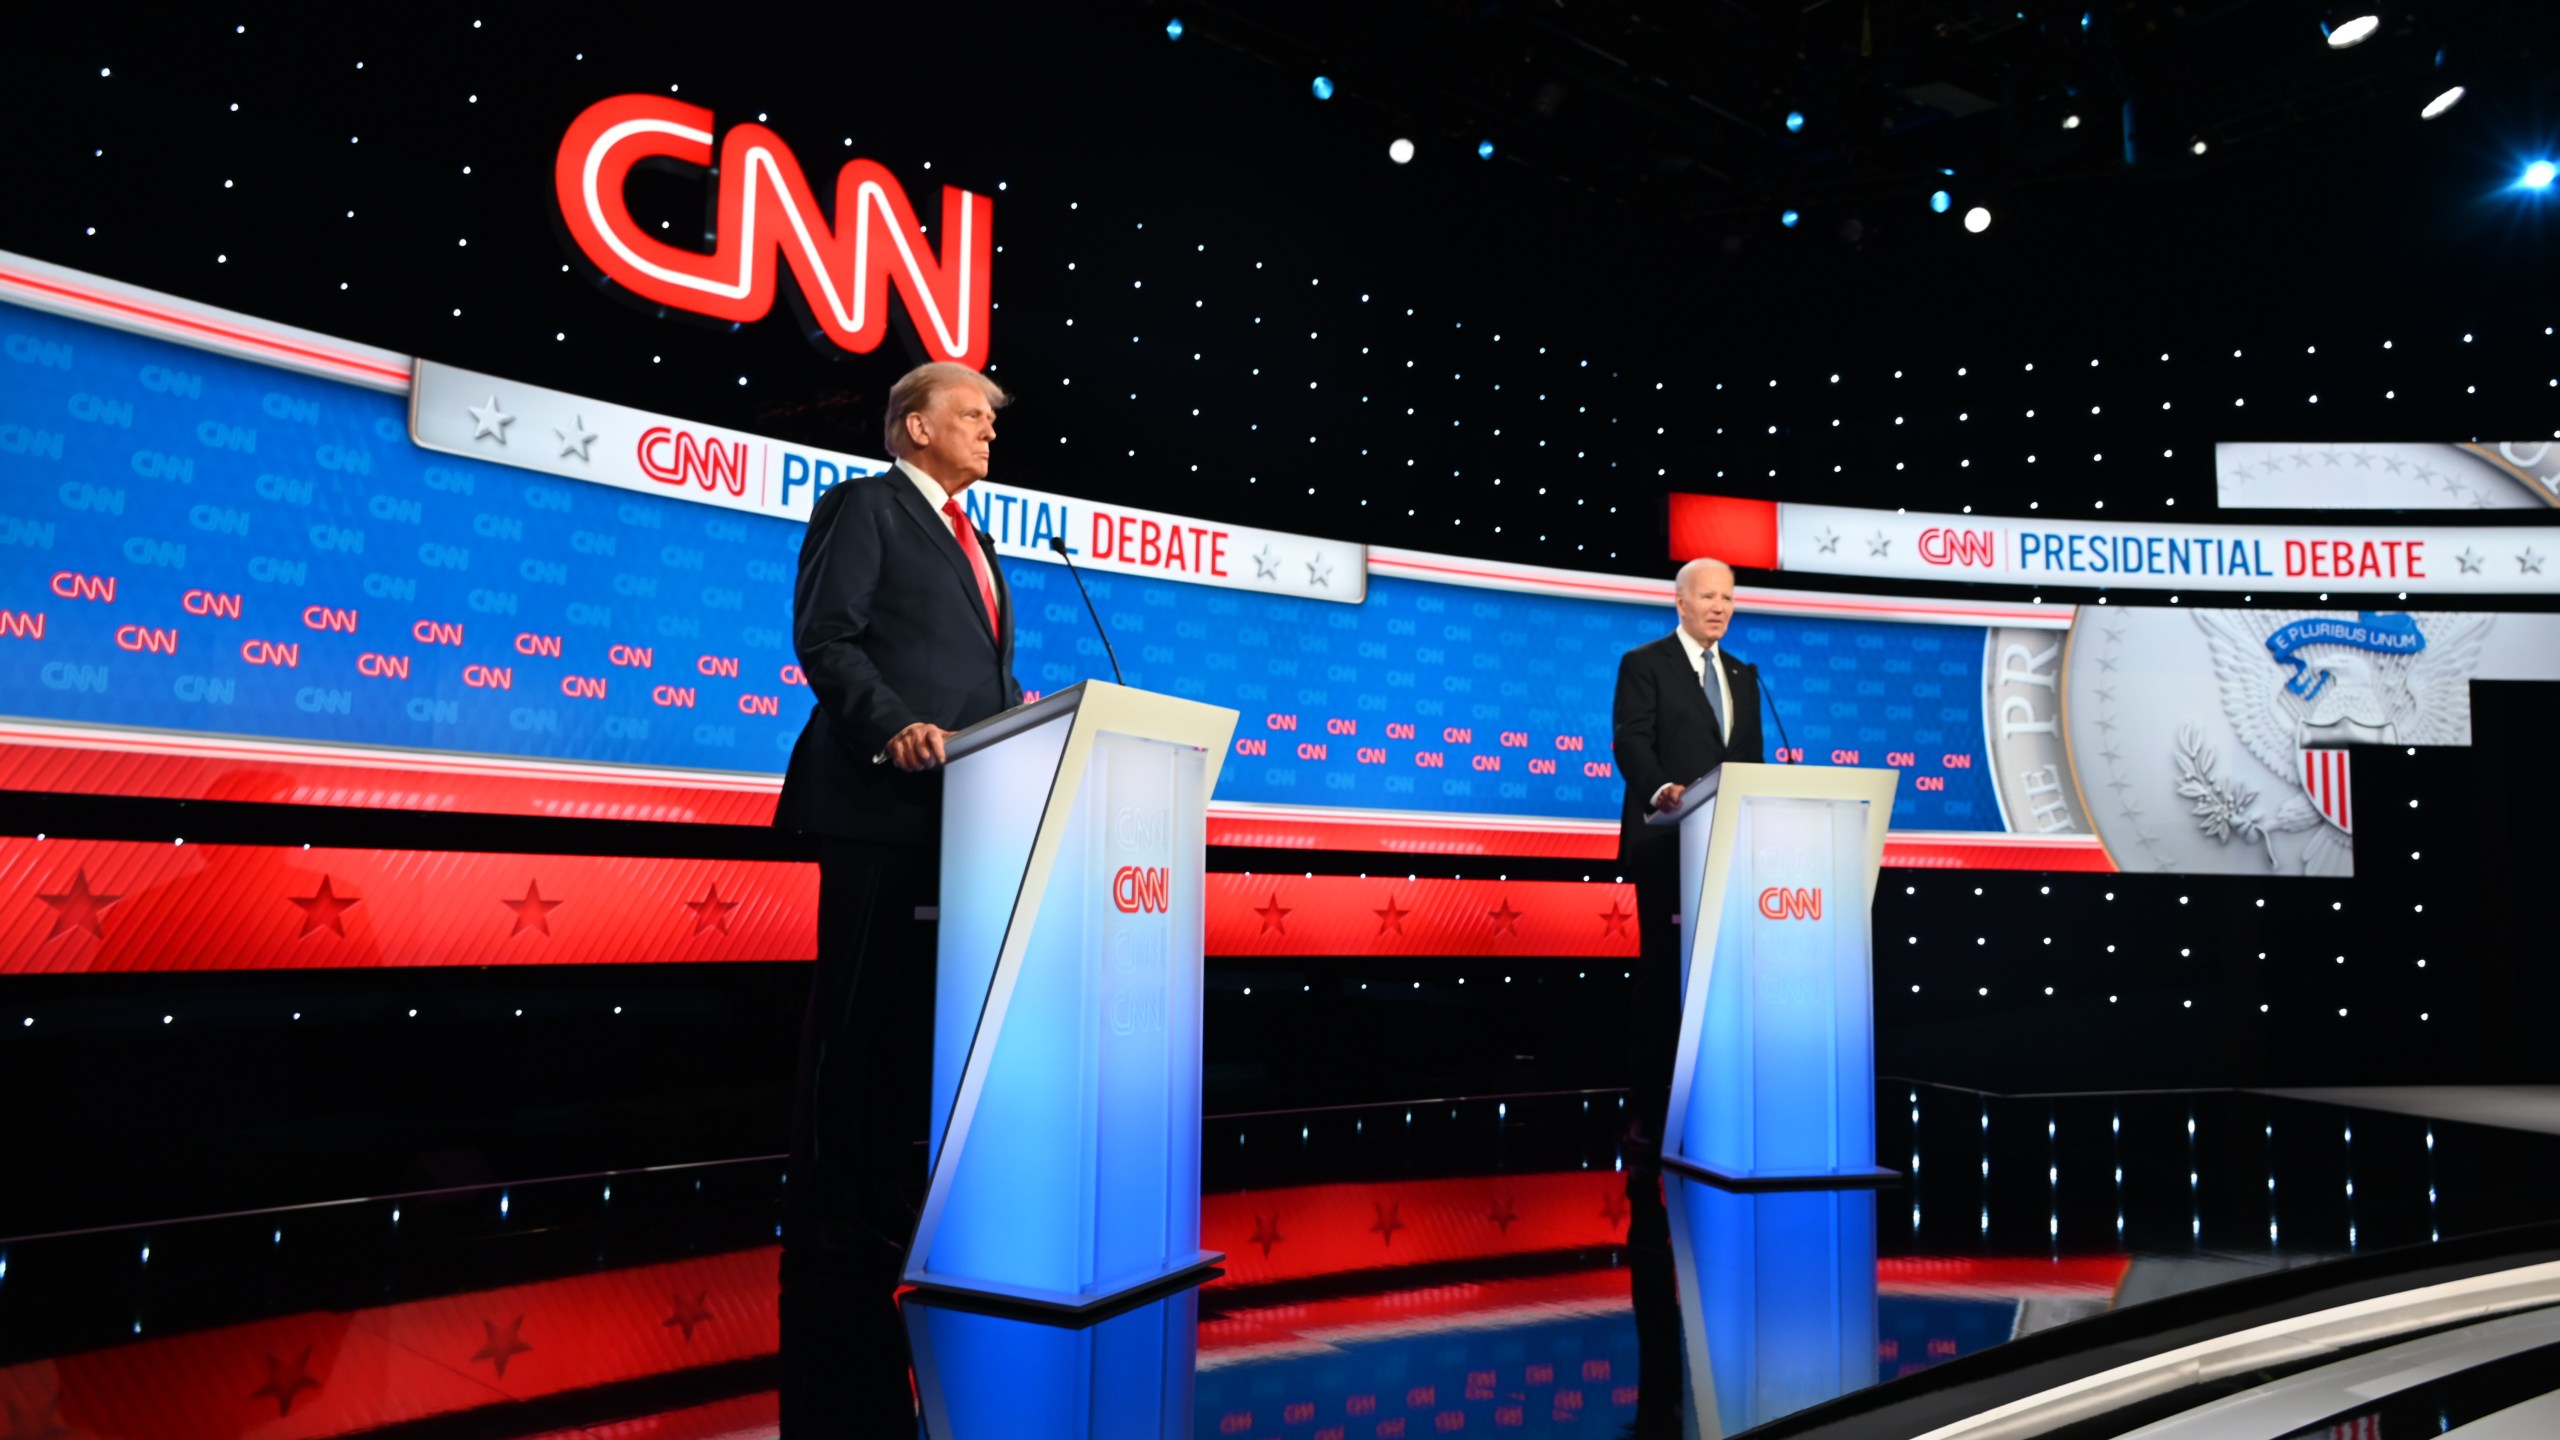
[1977, 219]
[2442, 103]
[2199, 146]
[2070, 122]
[2354, 32]
[1400, 150]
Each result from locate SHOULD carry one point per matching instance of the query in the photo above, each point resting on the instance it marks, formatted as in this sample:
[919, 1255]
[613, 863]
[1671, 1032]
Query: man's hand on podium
[1667, 799]
[918, 747]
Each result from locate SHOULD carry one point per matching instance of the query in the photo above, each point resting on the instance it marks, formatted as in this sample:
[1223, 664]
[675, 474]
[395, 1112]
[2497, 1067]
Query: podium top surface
[1118, 707]
[1805, 782]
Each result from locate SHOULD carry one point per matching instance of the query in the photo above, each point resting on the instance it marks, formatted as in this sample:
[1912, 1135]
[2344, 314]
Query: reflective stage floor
[1444, 1267]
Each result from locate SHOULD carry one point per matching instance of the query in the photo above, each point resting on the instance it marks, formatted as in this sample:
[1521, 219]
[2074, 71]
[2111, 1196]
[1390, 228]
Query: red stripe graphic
[1342, 915]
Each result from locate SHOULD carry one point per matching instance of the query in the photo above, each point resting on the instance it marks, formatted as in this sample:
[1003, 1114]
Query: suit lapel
[943, 543]
[1678, 656]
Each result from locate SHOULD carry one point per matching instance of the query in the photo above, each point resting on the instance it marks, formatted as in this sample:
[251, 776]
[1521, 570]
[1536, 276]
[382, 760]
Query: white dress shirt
[1698, 654]
[935, 497]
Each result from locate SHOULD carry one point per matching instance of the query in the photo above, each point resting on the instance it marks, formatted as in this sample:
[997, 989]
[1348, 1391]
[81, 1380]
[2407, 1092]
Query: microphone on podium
[1762, 685]
[1059, 546]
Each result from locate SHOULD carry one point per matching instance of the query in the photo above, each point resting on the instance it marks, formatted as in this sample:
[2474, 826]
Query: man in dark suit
[904, 628]
[1683, 707]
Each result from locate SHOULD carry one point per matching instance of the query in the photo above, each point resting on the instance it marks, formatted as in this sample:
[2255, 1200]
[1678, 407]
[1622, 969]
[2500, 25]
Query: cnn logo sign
[1942, 546]
[1781, 902]
[1139, 888]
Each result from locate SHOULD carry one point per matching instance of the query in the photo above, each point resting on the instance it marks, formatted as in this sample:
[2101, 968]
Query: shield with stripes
[2324, 779]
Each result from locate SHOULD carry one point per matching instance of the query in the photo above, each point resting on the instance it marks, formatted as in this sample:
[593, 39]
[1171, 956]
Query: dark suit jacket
[1666, 733]
[890, 630]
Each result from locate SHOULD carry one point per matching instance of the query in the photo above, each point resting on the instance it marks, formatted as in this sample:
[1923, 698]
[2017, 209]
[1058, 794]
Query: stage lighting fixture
[2539, 175]
[2442, 103]
[1173, 28]
[1795, 122]
[1940, 201]
[1484, 149]
[2070, 122]
[1977, 219]
[1400, 150]
[2353, 32]
[1788, 218]
[1323, 87]
[2199, 147]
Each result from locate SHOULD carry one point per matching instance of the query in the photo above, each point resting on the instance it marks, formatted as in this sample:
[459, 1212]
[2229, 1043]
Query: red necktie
[968, 539]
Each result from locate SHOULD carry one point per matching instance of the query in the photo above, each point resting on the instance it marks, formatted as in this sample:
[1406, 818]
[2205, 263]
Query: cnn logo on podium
[1781, 902]
[1146, 888]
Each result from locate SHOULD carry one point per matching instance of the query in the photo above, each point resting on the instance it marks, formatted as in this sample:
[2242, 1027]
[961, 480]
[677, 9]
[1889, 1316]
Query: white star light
[1266, 565]
[491, 421]
[575, 439]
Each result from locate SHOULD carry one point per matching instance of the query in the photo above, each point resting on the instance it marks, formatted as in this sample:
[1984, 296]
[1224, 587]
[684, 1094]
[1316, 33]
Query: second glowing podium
[1065, 1139]
[1774, 1086]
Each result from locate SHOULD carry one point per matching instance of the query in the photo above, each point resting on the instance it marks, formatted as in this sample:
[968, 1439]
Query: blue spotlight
[1940, 201]
[2539, 175]
[1795, 121]
[1788, 218]
[1323, 88]
[1484, 149]
[1173, 28]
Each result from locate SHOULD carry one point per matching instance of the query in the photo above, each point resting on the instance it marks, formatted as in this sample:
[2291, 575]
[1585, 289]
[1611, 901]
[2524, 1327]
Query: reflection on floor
[1437, 1269]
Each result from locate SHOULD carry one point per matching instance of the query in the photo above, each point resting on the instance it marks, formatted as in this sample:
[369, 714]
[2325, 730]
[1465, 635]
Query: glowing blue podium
[1775, 1084]
[1065, 1142]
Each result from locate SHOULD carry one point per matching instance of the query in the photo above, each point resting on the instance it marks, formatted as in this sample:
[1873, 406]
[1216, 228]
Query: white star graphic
[1878, 544]
[1318, 572]
[2470, 560]
[493, 422]
[1828, 542]
[2529, 563]
[1266, 566]
[575, 439]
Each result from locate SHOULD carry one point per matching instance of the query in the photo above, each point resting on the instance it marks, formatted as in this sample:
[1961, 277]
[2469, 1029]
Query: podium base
[1750, 1182]
[1060, 1306]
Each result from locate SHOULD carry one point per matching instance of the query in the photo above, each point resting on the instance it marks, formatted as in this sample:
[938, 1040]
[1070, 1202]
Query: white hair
[1680, 581]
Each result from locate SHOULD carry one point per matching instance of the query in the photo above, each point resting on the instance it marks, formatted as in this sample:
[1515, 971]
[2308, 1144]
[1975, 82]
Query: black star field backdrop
[1628, 255]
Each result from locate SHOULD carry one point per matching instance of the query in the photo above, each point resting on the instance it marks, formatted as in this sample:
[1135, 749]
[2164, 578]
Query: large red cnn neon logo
[675, 456]
[1142, 887]
[766, 208]
[1780, 902]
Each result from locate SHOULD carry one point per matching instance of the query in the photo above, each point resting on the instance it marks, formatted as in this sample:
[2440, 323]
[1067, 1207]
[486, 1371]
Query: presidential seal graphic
[2299, 690]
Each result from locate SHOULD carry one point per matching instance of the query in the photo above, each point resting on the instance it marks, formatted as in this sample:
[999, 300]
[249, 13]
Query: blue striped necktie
[1715, 692]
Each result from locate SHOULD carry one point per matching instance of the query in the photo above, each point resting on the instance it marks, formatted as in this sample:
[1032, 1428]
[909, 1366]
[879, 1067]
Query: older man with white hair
[1683, 707]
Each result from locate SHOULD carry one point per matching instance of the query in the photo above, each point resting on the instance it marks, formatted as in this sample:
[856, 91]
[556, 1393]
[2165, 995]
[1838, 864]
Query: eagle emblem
[2300, 688]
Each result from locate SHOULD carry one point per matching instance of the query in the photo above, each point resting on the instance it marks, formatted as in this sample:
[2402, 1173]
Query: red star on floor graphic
[1613, 1207]
[78, 906]
[1506, 921]
[1388, 1222]
[690, 1314]
[286, 1379]
[1613, 921]
[1391, 919]
[1266, 1233]
[324, 910]
[1272, 913]
[501, 1346]
[532, 912]
[711, 911]
[1502, 1216]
